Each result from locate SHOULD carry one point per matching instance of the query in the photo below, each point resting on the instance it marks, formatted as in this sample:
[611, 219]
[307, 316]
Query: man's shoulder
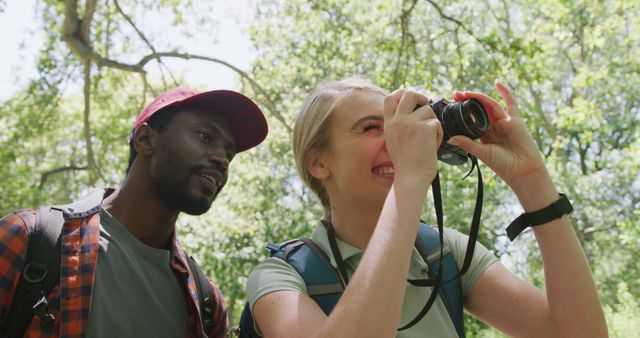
[25, 214]
[16, 221]
[15, 229]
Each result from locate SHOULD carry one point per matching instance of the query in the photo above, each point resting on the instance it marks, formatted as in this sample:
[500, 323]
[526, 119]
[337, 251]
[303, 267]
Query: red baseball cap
[248, 123]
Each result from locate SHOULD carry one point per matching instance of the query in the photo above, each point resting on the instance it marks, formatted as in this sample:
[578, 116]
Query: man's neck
[146, 217]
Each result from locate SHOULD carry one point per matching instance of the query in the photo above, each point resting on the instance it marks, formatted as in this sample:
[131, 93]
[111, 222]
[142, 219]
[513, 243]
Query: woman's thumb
[467, 144]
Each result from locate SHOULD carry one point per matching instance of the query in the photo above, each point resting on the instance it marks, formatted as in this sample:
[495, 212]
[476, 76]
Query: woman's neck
[354, 225]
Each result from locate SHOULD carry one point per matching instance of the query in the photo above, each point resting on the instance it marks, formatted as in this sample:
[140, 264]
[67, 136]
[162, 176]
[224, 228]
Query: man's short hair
[159, 121]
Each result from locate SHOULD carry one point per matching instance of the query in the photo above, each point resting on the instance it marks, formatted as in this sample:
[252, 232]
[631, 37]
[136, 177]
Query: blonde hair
[311, 132]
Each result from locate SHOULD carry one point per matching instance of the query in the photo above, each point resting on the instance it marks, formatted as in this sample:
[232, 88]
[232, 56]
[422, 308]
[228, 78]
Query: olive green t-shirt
[136, 292]
[274, 274]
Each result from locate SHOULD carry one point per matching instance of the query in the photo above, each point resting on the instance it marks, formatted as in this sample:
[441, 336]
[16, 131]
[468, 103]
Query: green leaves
[573, 66]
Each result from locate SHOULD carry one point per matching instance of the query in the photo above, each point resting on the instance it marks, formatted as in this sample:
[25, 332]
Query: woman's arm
[570, 306]
[372, 302]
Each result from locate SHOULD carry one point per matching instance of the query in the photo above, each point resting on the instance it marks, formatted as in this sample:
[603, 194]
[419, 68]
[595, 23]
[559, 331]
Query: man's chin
[199, 207]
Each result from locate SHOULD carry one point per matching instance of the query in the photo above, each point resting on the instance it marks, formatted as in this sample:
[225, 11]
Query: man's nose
[219, 156]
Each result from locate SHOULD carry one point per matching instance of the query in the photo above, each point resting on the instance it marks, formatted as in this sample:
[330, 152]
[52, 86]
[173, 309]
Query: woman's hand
[501, 299]
[507, 148]
[412, 135]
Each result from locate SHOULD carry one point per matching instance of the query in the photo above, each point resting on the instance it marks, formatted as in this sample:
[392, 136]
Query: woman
[370, 157]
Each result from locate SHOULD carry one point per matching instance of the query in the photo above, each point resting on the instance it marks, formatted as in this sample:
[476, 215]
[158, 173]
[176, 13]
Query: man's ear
[317, 167]
[145, 139]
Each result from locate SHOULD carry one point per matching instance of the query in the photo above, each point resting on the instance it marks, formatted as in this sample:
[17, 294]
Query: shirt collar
[417, 269]
[178, 256]
[320, 237]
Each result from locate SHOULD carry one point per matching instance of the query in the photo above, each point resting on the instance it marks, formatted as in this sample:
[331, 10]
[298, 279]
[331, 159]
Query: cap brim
[249, 126]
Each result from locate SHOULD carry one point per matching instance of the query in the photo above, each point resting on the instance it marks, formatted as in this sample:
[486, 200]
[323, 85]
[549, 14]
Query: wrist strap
[556, 210]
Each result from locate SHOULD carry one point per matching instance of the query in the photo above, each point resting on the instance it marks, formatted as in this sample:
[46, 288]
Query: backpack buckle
[34, 272]
[41, 309]
[207, 312]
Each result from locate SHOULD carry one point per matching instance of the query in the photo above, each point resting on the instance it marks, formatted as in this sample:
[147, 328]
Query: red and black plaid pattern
[69, 301]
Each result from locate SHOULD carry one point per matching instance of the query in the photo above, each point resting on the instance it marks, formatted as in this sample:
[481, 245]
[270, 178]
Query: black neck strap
[336, 254]
[436, 282]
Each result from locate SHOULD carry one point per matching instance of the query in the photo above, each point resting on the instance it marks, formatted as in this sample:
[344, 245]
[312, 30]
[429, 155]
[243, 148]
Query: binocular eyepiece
[467, 118]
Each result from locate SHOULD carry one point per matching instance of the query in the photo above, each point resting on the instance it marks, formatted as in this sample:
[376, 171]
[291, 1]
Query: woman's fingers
[492, 106]
[509, 99]
[391, 103]
[437, 127]
[494, 109]
[479, 150]
[425, 112]
[410, 100]
[407, 102]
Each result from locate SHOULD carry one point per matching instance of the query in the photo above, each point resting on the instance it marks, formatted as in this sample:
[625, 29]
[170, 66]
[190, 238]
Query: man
[123, 272]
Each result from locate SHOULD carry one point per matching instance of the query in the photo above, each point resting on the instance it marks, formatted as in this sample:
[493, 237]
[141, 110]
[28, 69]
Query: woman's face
[359, 168]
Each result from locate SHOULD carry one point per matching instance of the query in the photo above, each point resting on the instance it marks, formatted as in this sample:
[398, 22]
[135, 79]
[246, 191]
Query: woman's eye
[373, 126]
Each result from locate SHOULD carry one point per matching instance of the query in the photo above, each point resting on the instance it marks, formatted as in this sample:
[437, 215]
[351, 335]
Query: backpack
[325, 287]
[41, 272]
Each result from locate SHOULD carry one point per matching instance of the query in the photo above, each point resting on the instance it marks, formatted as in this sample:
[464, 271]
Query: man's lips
[208, 183]
[212, 179]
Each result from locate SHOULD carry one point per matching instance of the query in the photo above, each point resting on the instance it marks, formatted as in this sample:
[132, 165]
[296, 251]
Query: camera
[467, 118]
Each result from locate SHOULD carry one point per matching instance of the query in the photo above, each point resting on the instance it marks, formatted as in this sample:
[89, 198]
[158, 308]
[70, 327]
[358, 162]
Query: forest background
[574, 66]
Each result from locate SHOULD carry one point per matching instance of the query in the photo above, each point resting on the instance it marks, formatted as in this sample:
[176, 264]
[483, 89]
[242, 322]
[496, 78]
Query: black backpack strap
[428, 245]
[205, 295]
[40, 274]
[246, 329]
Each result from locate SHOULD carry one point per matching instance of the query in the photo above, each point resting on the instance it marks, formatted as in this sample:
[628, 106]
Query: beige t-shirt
[274, 274]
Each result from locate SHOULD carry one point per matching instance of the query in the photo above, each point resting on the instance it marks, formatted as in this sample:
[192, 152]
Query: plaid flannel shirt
[70, 300]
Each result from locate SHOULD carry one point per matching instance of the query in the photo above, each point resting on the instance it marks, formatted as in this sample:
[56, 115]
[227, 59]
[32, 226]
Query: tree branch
[87, 19]
[146, 41]
[537, 99]
[78, 34]
[459, 23]
[271, 105]
[45, 176]
[404, 23]
[70, 35]
[93, 167]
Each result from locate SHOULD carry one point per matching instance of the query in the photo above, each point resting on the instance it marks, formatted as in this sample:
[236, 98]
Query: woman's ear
[317, 167]
[145, 139]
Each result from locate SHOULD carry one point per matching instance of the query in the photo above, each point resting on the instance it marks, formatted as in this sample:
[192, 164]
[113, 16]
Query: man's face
[190, 165]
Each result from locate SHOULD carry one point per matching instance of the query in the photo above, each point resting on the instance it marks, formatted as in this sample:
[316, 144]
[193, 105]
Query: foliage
[576, 89]
[573, 65]
[624, 317]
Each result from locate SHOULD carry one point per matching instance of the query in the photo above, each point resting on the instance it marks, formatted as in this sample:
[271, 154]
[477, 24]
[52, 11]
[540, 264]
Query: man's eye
[373, 126]
[204, 137]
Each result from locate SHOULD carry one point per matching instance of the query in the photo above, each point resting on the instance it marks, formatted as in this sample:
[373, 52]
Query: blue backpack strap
[451, 292]
[325, 285]
[322, 280]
